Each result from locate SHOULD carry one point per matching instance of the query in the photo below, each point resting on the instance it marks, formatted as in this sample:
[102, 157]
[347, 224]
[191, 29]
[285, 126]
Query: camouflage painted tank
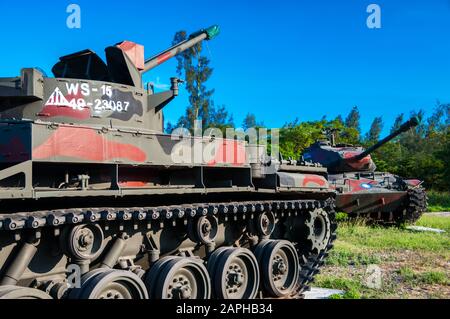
[363, 192]
[98, 203]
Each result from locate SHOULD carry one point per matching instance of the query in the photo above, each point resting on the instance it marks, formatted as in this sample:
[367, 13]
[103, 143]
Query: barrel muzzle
[212, 32]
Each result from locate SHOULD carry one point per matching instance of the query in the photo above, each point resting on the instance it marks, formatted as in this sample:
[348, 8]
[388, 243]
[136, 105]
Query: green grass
[437, 209]
[438, 201]
[379, 238]
[414, 264]
[434, 277]
[407, 274]
[340, 217]
[352, 288]
[346, 254]
[427, 277]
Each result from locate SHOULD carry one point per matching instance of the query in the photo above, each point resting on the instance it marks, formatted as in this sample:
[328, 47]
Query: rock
[425, 229]
[322, 293]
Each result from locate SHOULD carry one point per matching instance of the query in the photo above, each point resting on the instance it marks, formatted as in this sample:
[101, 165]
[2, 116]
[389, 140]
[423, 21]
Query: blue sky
[278, 59]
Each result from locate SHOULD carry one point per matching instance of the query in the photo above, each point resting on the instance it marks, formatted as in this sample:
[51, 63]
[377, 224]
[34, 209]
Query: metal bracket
[25, 168]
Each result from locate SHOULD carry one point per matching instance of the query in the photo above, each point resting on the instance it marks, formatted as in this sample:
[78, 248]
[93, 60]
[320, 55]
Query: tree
[353, 119]
[438, 121]
[339, 119]
[195, 70]
[345, 135]
[352, 124]
[422, 152]
[250, 122]
[375, 130]
[295, 137]
[220, 118]
[397, 123]
[169, 128]
[420, 129]
[442, 154]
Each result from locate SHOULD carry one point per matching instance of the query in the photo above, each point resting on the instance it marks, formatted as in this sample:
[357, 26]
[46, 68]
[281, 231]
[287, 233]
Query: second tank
[361, 190]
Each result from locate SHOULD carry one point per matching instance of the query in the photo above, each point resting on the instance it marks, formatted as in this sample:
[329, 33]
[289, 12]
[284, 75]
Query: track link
[414, 208]
[313, 260]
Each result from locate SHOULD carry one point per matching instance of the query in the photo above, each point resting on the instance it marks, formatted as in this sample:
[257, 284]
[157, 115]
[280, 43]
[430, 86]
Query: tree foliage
[194, 68]
[397, 123]
[220, 118]
[353, 120]
[250, 122]
[295, 137]
[375, 130]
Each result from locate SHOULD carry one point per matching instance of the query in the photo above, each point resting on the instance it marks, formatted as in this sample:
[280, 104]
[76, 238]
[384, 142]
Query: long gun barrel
[413, 122]
[197, 37]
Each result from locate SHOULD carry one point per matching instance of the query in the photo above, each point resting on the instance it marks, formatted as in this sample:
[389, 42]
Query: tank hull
[379, 197]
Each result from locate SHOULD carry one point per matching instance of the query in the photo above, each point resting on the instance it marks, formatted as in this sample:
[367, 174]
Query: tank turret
[125, 60]
[88, 91]
[341, 158]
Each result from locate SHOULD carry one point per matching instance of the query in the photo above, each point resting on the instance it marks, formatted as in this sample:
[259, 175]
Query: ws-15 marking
[79, 94]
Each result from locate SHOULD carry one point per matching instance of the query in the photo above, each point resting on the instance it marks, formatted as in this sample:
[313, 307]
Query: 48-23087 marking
[111, 105]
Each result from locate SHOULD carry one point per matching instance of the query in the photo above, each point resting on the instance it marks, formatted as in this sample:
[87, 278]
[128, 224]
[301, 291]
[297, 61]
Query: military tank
[96, 202]
[362, 191]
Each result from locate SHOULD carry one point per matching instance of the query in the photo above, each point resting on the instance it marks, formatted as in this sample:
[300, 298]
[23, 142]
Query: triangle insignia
[57, 99]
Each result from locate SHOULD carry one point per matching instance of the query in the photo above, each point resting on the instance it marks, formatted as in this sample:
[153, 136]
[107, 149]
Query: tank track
[414, 208]
[312, 261]
[289, 228]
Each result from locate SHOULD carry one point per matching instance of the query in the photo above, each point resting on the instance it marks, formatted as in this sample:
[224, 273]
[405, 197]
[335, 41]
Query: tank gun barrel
[413, 122]
[195, 38]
